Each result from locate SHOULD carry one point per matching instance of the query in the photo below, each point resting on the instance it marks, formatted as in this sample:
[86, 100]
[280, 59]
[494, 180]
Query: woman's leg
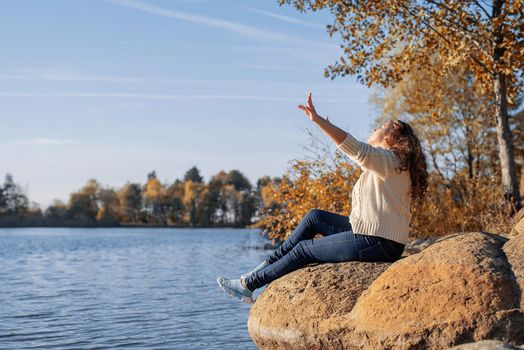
[338, 247]
[315, 221]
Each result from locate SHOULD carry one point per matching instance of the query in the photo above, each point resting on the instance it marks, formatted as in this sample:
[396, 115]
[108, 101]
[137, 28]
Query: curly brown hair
[401, 139]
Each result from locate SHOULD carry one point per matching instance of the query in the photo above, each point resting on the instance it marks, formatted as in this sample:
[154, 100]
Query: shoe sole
[234, 293]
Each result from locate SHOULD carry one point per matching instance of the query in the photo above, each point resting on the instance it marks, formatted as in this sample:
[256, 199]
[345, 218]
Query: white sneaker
[234, 288]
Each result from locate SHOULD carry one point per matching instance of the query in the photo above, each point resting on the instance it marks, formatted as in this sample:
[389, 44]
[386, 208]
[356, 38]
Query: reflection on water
[124, 288]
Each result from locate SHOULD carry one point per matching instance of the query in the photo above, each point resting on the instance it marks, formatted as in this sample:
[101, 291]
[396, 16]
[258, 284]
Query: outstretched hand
[309, 109]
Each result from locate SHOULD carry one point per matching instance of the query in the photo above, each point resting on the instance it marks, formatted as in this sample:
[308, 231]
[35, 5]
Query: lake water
[64, 288]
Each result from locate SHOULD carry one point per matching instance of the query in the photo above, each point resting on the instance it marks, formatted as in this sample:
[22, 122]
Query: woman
[394, 172]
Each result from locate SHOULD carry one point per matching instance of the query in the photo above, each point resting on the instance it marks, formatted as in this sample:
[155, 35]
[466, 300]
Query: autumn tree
[238, 180]
[56, 212]
[452, 117]
[194, 202]
[307, 184]
[174, 197]
[130, 199]
[83, 206]
[155, 199]
[384, 40]
[108, 207]
[217, 207]
[239, 199]
[193, 174]
[263, 195]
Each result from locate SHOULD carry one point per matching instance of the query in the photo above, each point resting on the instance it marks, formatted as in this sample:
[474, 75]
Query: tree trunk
[507, 158]
[510, 184]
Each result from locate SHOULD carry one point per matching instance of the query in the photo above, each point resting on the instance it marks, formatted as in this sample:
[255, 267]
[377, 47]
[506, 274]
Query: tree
[151, 175]
[3, 201]
[193, 175]
[215, 199]
[12, 197]
[194, 201]
[246, 209]
[56, 212]
[155, 198]
[83, 206]
[384, 40]
[452, 117]
[130, 198]
[108, 207]
[238, 180]
[175, 194]
[307, 184]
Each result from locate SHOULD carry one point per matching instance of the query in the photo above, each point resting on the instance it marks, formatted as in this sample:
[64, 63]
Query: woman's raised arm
[336, 134]
[380, 160]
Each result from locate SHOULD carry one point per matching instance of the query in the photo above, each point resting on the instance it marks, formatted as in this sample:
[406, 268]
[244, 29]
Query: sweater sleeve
[380, 160]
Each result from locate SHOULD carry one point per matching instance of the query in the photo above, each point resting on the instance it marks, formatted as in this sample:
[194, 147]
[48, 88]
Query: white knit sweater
[381, 197]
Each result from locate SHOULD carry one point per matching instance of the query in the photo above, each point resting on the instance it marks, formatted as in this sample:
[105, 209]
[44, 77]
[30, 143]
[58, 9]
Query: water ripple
[123, 288]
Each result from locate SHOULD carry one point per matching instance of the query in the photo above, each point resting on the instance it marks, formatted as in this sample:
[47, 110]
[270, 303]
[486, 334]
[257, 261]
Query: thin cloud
[283, 17]
[279, 68]
[39, 141]
[75, 76]
[168, 96]
[213, 22]
[210, 21]
[144, 96]
[320, 57]
[69, 78]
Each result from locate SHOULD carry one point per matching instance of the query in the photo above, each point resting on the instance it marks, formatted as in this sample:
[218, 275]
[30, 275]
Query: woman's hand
[336, 134]
[310, 109]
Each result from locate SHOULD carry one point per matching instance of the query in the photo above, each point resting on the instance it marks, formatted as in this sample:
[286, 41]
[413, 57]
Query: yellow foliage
[153, 189]
[441, 213]
[307, 185]
[452, 117]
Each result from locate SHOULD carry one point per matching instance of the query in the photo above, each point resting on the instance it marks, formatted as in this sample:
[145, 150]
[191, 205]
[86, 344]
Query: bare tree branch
[482, 8]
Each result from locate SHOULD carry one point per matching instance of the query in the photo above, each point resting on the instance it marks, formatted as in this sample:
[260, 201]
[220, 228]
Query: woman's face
[376, 138]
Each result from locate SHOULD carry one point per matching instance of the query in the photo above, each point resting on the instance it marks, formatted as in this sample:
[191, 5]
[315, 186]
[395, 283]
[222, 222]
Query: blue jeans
[339, 244]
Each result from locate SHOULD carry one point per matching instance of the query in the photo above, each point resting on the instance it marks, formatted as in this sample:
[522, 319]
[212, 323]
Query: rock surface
[417, 245]
[460, 288]
[291, 309]
[518, 228]
[514, 250]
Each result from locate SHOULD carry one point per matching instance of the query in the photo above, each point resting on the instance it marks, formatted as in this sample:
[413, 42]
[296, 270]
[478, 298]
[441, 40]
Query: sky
[113, 89]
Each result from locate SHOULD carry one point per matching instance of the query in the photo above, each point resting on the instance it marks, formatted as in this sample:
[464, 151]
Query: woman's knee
[301, 252]
[314, 212]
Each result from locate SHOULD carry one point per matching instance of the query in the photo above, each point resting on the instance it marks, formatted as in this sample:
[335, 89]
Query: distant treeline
[227, 200]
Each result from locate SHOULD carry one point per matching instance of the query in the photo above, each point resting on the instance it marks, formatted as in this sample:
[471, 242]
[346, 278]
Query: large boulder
[291, 309]
[518, 220]
[459, 289]
[514, 249]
